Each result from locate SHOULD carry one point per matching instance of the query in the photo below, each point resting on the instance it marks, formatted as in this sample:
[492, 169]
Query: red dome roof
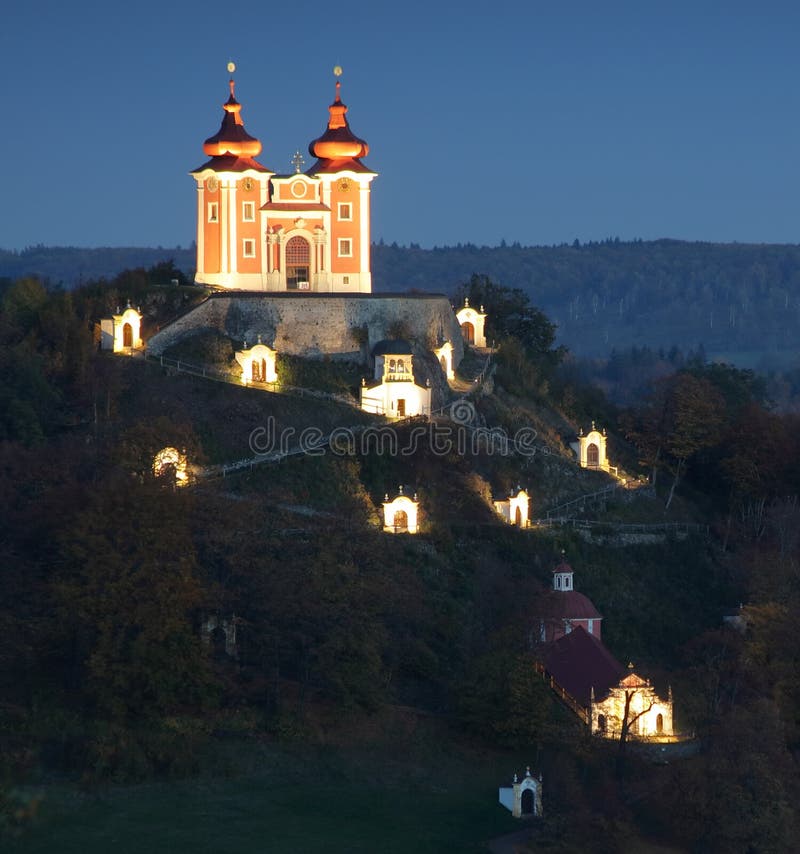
[338, 142]
[565, 605]
[232, 138]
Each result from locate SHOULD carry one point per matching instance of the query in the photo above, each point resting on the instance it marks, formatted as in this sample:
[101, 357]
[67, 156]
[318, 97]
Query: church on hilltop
[286, 260]
[305, 232]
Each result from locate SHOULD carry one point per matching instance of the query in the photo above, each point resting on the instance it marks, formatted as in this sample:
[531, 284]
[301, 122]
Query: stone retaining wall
[314, 325]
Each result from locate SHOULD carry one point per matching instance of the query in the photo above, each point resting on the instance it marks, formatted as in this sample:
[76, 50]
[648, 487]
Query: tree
[696, 421]
[510, 314]
[128, 594]
[683, 415]
[626, 724]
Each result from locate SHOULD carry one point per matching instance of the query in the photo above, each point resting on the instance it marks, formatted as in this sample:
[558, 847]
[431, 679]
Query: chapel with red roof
[308, 231]
[570, 654]
[563, 608]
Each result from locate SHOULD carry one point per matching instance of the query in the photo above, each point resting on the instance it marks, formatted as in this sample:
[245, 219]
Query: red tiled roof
[579, 662]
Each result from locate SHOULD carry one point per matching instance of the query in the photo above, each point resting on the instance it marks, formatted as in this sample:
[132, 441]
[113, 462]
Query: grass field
[286, 801]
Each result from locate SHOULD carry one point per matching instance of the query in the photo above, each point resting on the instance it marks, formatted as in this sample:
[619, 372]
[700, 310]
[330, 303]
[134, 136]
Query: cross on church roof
[297, 161]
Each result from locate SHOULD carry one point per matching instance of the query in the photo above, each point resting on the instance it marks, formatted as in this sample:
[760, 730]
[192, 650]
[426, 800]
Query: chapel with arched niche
[632, 698]
[257, 363]
[393, 392]
[591, 449]
[523, 797]
[400, 514]
[472, 324]
[121, 333]
[444, 355]
[515, 508]
[304, 231]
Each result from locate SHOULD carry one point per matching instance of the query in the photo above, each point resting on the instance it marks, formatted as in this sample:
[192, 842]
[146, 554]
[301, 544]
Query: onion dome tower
[231, 138]
[346, 191]
[231, 189]
[338, 146]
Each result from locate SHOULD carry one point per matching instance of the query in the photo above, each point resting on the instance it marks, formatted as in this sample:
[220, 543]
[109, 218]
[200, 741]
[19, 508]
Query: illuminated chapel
[579, 667]
[301, 232]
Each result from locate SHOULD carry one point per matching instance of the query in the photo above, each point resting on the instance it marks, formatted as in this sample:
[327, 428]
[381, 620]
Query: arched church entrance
[127, 335]
[468, 331]
[518, 517]
[400, 520]
[592, 455]
[298, 264]
[659, 723]
[527, 802]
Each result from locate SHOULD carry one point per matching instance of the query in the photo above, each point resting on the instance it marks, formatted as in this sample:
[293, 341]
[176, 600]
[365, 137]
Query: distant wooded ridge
[739, 301]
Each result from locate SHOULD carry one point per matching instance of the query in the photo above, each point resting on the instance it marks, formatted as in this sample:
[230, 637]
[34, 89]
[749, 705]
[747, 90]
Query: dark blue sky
[525, 121]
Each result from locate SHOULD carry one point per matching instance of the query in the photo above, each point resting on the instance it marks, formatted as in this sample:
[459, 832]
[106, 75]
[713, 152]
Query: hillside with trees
[397, 668]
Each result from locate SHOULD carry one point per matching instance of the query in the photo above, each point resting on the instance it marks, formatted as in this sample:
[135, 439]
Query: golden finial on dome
[231, 67]
[337, 70]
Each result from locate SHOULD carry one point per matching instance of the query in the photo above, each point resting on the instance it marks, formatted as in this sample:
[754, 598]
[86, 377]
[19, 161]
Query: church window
[345, 280]
[213, 212]
[248, 212]
[401, 367]
[248, 248]
[345, 247]
[345, 211]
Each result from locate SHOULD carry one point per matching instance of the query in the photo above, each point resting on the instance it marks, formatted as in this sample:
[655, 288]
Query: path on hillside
[460, 412]
[518, 842]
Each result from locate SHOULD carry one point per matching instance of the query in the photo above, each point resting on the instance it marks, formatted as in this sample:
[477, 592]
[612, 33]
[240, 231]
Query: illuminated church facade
[304, 232]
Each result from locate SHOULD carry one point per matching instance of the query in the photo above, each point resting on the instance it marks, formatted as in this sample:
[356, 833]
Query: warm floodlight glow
[231, 67]
[649, 716]
[169, 460]
[337, 70]
[400, 515]
[514, 509]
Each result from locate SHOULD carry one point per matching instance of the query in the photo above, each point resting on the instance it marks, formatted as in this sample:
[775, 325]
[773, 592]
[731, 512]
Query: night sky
[525, 121]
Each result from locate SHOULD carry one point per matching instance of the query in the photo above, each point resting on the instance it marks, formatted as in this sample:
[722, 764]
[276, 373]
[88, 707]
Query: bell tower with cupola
[232, 187]
[346, 191]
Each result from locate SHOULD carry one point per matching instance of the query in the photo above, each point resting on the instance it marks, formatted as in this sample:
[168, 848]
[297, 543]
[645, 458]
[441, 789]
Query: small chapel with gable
[394, 392]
